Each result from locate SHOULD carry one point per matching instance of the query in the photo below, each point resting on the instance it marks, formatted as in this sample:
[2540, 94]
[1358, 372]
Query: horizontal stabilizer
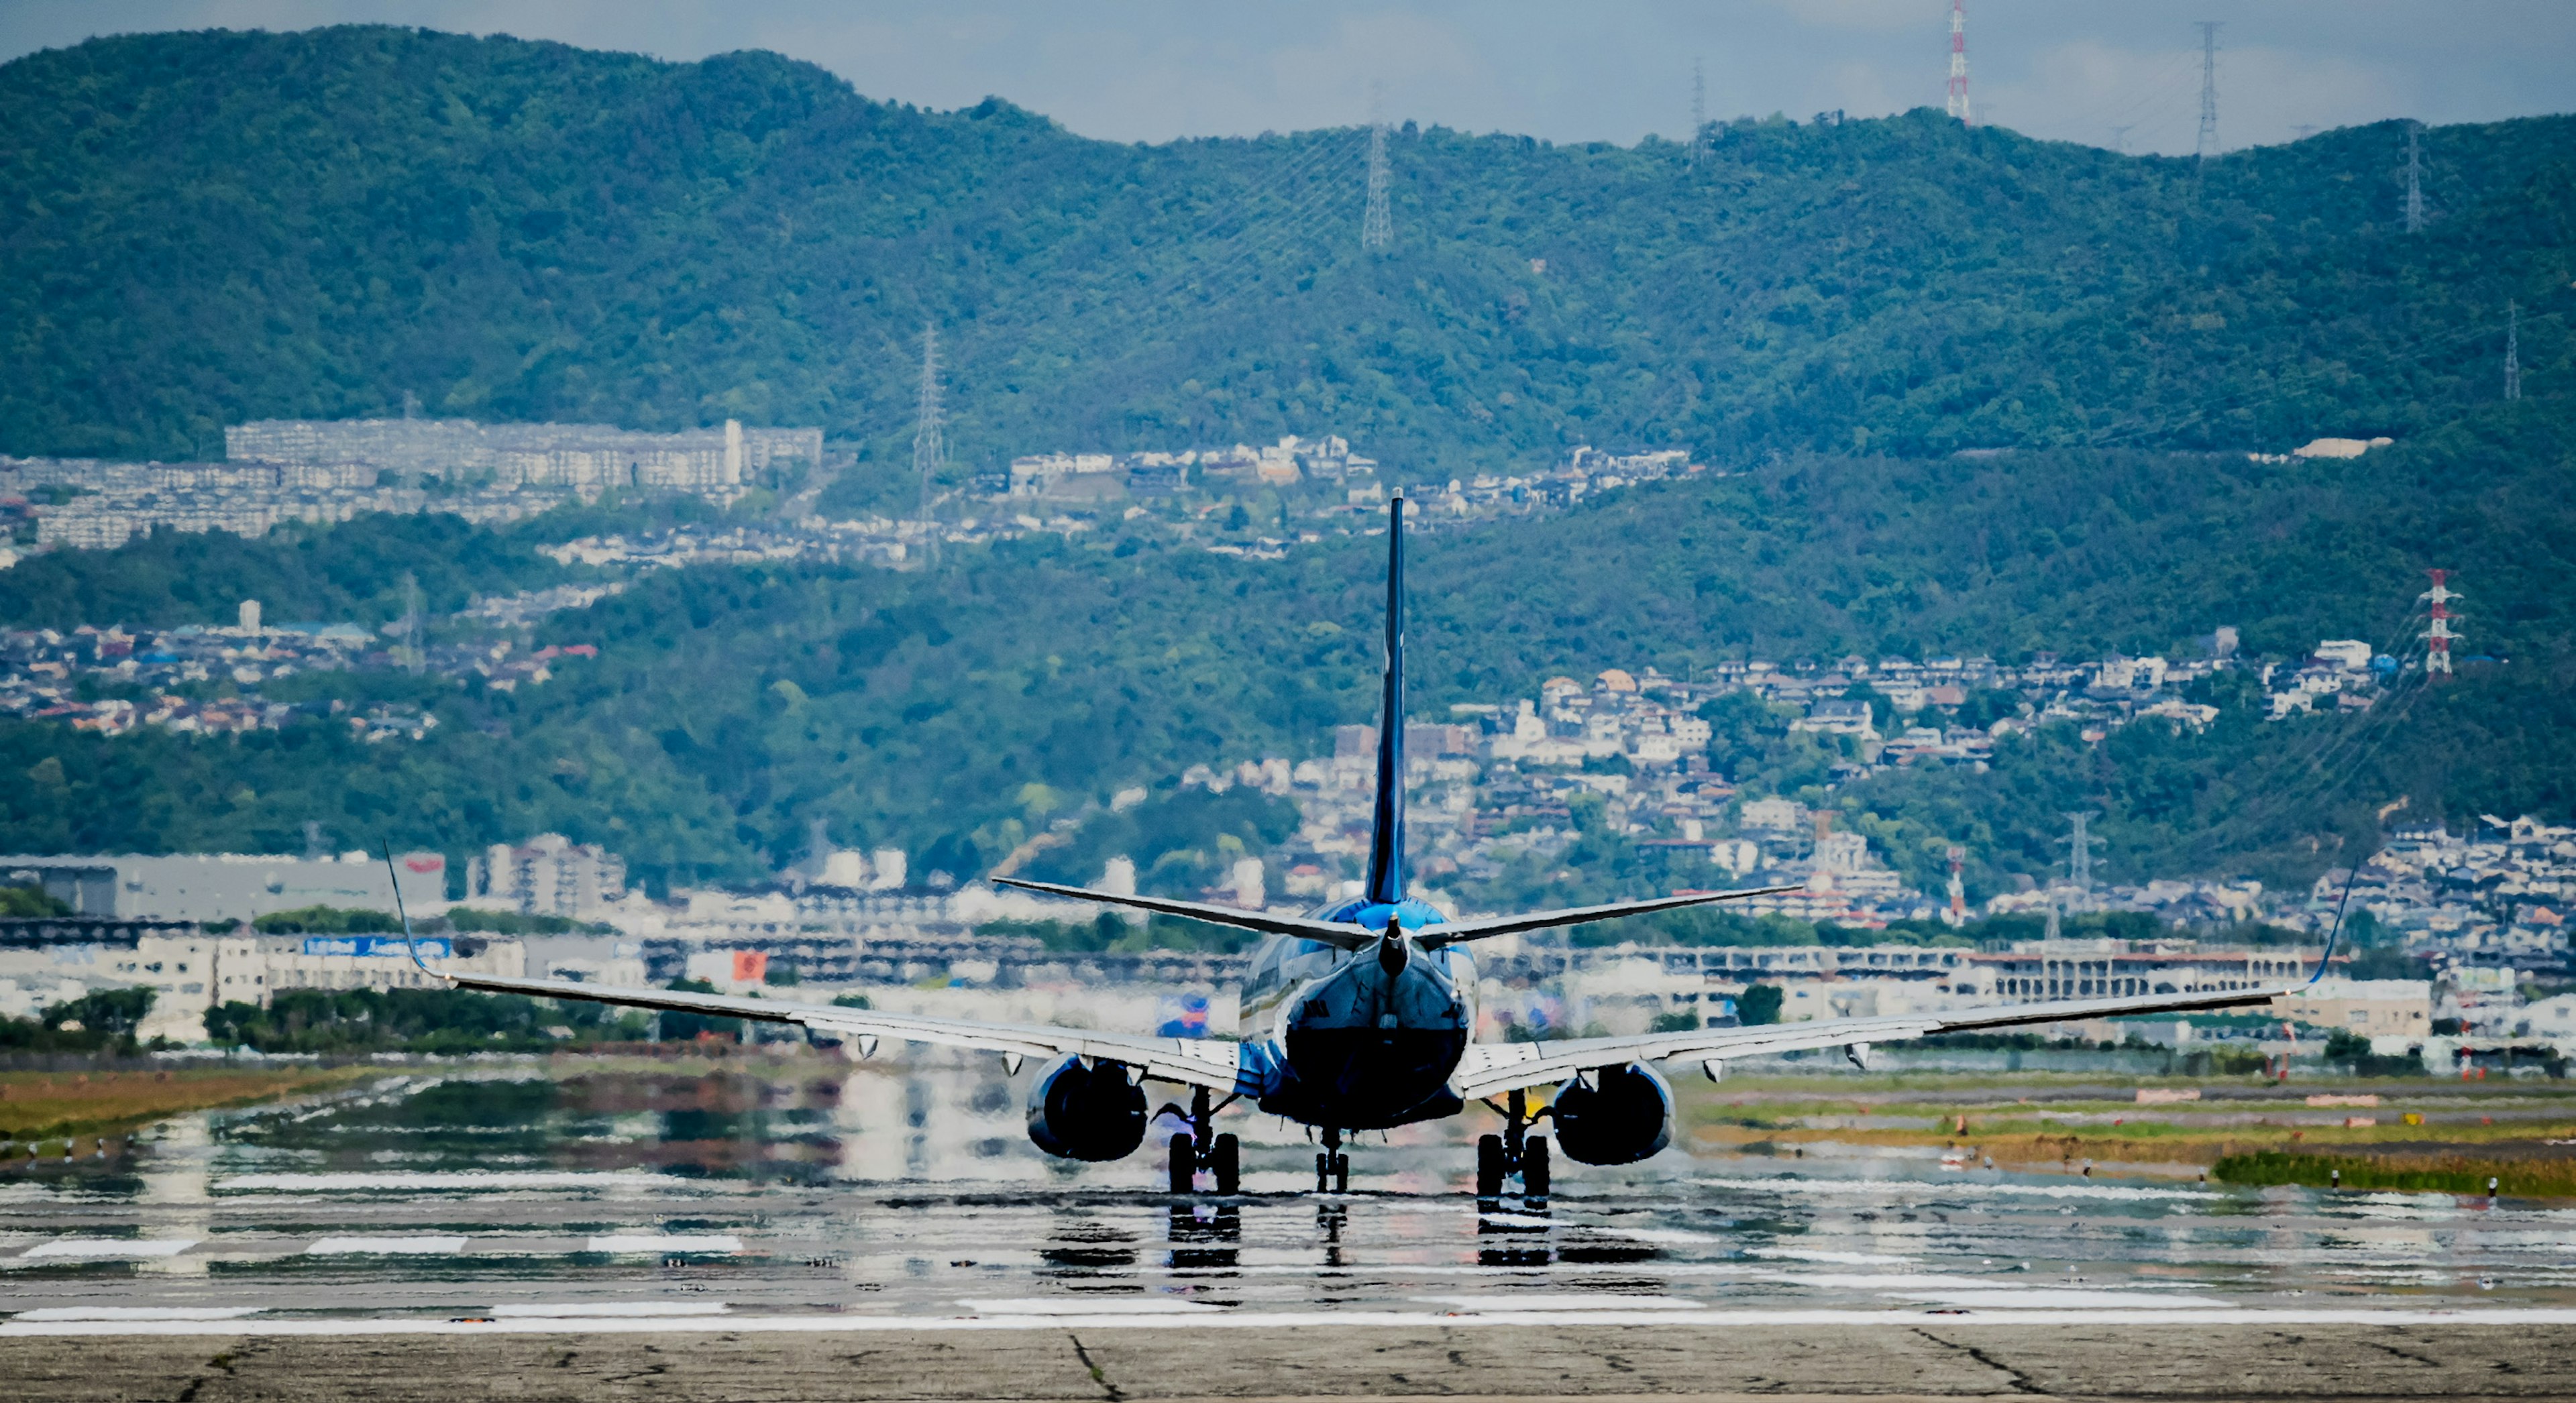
[1455, 931]
[1348, 937]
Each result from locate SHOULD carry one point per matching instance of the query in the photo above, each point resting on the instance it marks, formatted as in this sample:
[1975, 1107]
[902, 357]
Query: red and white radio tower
[1959, 62]
[1957, 915]
[2437, 639]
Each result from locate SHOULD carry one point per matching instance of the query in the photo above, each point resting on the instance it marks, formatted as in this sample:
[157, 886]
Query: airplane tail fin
[1386, 831]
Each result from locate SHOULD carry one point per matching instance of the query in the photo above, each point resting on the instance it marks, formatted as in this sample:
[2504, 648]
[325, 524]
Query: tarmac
[890, 1234]
[1884, 1359]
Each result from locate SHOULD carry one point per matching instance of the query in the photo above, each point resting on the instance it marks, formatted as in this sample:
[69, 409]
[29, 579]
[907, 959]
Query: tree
[1758, 1004]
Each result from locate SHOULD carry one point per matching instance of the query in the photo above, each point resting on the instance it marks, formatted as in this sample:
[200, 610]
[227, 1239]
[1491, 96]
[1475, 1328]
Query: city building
[550, 875]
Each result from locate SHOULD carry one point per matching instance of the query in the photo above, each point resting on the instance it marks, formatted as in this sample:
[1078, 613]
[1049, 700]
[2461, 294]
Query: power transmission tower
[2512, 351]
[412, 658]
[2120, 137]
[2438, 639]
[1377, 227]
[1959, 63]
[929, 448]
[2208, 143]
[1699, 110]
[2414, 178]
[2079, 859]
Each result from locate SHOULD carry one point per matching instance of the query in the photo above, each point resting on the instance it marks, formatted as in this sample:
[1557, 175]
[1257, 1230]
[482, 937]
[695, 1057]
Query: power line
[2207, 146]
[1959, 63]
[1377, 227]
[929, 446]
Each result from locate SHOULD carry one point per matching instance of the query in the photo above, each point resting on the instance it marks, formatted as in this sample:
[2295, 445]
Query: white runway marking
[2057, 1298]
[1516, 1301]
[475, 1180]
[110, 1248]
[139, 1313]
[1817, 1188]
[386, 1246]
[667, 1242]
[601, 1310]
[1059, 1307]
[1840, 1259]
[1215, 1319]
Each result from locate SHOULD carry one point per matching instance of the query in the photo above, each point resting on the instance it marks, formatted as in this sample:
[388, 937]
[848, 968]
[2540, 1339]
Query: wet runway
[666, 1199]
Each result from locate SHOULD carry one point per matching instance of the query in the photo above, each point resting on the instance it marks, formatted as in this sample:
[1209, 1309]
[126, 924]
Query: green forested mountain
[202, 228]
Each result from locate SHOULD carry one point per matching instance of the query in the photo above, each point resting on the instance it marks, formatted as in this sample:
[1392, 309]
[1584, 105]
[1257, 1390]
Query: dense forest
[209, 227]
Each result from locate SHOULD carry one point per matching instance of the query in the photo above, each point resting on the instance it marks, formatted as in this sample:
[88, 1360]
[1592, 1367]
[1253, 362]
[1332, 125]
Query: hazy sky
[2082, 70]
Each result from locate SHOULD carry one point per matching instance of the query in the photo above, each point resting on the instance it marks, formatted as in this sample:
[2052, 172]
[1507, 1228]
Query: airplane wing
[1210, 1062]
[1452, 932]
[1492, 1068]
[1348, 937]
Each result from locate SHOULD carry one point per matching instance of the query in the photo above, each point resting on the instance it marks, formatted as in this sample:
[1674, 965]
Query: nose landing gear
[1220, 1155]
[1515, 1151]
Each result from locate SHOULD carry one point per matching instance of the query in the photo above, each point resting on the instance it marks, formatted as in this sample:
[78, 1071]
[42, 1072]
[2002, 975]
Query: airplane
[1361, 1016]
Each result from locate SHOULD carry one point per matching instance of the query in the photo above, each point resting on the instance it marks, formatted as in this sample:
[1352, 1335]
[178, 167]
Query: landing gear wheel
[1324, 1173]
[1185, 1165]
[1225, 1161]
[1489, 1166]
[1341, 1174]
[1534, 1170]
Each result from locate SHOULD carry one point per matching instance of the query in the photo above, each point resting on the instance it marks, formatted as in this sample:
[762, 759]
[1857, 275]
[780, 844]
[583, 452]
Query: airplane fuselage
[1356, 1039]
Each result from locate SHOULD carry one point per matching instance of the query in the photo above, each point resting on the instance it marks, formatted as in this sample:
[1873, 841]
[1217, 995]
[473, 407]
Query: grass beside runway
[2069, 1120]
[40, 1110]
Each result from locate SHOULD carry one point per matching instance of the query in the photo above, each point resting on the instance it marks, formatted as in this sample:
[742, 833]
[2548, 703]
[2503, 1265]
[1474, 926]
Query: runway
[493, 1216]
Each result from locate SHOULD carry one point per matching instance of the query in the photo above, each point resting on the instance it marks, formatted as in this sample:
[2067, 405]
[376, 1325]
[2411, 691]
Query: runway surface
[638, 1209]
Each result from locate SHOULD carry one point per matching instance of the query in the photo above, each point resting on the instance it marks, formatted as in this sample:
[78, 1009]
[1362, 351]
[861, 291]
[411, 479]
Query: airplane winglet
[2336, 932]
[409, 940]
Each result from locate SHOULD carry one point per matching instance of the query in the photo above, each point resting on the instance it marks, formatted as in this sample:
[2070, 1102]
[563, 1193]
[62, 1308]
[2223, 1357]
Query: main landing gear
[1219, 1155]
[1515, 1151]
[1332, 1167]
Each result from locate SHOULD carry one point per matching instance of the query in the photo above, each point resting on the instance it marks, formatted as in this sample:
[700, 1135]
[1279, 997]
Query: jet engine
[1621, 1115]
[1091, 1112]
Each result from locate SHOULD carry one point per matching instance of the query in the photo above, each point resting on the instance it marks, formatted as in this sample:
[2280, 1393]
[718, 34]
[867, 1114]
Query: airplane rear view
[1361, 1015]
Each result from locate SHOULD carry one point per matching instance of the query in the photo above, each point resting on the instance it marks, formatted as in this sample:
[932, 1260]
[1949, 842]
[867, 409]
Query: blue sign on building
[378, 946]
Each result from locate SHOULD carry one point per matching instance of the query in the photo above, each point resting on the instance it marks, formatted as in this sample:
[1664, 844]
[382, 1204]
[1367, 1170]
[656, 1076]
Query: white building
[550, 876]
[190, 973]
[210, 887]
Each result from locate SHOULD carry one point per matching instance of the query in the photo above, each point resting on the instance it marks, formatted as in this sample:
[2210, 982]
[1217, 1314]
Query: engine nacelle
[1079, 1112]
[1624, 1115]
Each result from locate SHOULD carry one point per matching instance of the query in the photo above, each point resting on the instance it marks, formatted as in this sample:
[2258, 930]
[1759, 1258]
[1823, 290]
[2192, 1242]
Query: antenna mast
[2207, 146]
[1377, 227]
[929, 447]
[2414, 178]
[1959, 63]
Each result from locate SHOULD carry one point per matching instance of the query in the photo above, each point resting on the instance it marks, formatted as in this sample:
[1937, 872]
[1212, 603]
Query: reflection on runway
[909, 1190]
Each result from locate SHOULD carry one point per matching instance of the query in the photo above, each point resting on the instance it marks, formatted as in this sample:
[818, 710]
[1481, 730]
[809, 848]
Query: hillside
[203, 228]
[954, 711]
